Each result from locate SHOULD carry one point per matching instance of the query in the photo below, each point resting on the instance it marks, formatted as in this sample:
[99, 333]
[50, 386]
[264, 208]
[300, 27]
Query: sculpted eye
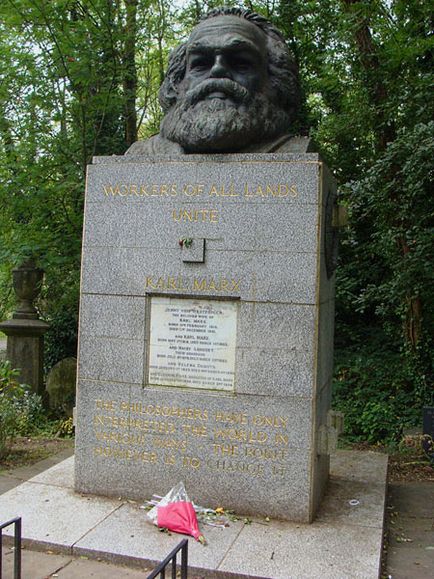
[242, 64]
[201, 63]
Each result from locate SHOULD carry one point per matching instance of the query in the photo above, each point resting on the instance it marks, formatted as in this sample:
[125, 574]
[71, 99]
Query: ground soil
[410, 467]
[410, 464]
[26, 451]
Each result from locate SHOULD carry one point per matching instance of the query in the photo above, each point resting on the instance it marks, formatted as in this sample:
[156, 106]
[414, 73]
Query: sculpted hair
[284, 87]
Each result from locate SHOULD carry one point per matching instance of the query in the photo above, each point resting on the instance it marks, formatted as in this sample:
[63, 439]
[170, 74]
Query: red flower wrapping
[179, 517]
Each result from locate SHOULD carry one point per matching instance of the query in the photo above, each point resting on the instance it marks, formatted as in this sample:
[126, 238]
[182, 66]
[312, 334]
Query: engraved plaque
[192, 343]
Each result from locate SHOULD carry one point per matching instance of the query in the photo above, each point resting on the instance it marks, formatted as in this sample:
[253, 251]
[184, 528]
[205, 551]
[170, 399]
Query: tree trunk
[386, 133]
[130, 72]
[384, 129]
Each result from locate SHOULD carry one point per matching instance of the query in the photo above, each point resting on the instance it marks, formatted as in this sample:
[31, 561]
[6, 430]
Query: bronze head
[232, 84]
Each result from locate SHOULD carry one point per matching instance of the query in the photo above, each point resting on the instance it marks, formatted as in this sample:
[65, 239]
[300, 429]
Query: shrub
[377, 393]
[20, 409]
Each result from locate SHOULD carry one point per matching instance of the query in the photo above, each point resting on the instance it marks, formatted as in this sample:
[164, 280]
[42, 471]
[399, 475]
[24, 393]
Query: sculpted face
[226, 47]
[223, 102]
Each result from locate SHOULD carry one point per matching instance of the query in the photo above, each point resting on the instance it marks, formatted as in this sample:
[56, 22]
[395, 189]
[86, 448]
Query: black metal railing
[17, 546]
[171, 558]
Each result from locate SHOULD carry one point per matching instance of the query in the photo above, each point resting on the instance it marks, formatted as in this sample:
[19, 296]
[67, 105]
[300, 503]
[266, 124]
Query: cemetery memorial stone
[60, 386]
[428, 421]
[207, 301]
[25, 331]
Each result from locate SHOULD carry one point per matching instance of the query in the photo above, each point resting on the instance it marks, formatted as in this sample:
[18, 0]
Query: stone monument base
[25, 350]
[344, 541]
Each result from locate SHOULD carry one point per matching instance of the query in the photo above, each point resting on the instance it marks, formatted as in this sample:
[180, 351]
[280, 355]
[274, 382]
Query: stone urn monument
[25, 343]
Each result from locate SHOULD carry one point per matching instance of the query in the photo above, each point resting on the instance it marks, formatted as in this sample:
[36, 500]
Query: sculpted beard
[205, 125]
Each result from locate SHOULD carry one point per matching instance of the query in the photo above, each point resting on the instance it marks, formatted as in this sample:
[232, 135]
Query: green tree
[68, 91]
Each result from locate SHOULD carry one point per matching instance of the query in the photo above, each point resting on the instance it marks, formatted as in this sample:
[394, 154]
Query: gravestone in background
[206, 330]
[25, 331]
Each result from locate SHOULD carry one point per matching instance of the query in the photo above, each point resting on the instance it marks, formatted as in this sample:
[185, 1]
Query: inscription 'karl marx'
[197, 284]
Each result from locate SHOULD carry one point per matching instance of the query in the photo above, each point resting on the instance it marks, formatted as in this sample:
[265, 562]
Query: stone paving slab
[37, 565]
[345, 541]
[82, 568]
[52, 516]
[410, 553]
[60, 475]
[141, 540]
[33, 565]
[287, 551]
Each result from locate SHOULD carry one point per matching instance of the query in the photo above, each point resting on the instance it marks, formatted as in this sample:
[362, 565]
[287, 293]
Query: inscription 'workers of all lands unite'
[194, 190]
[201, 192]
[237, 442]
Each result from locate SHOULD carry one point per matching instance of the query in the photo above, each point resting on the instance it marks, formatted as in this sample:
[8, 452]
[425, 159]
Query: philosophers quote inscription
[192, 343]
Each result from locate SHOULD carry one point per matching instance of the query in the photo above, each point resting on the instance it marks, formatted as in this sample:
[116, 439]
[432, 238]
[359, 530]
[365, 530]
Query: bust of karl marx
[231, 88]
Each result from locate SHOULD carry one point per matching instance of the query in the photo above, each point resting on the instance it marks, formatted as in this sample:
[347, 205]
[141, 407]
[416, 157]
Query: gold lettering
[252, 469]
[190, 190]
[195, 215]
[265, 453]
[222, 191]
[109, 405]
[265, 190]
[173, 443]
[258, 436]
[191, 461]
[282, 439]
[225, 449]
[125, 453]
[149, 282]
[271, 190]
[199, 285]
[282, 190]
[278, 470]
[241, 435]
[110, 190]
[195, 430]
[232, 418]
[273, 421]
[250, 445]
[247, 192]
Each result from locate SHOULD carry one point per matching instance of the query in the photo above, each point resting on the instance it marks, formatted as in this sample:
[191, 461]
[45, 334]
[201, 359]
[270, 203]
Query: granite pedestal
[206, 330]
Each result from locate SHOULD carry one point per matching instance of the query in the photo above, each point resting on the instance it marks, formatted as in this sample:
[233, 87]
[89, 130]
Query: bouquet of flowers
[176, 513]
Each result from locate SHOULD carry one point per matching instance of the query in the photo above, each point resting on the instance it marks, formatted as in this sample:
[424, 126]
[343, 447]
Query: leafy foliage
[20, 409]
[68, 91]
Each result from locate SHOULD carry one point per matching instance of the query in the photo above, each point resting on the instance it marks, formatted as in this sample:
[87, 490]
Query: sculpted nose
[220, 68]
